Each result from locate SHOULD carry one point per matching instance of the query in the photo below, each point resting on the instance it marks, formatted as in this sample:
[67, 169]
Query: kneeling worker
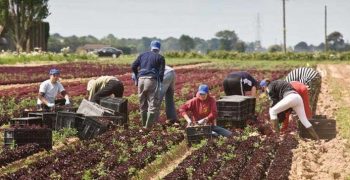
[204, 111]
[48, 91]
[104, 86]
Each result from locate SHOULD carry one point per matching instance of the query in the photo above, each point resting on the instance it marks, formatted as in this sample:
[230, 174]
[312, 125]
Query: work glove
[50, 105]
[202, 121]
[67, 102]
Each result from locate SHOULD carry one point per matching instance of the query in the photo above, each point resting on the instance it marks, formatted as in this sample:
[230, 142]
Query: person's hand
[67, 102]
[50, 105]
[202, 121]
[189, 124]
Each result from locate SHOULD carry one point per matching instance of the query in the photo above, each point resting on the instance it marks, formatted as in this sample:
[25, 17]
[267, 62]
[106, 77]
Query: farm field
[252, 153]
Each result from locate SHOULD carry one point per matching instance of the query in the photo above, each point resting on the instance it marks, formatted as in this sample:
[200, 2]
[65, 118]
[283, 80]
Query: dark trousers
[233, 86]
[112, 87]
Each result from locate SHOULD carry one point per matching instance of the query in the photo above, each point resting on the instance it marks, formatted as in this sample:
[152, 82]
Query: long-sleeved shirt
[303, 75]
[98, 84]
[200, 109]
[279, 89]
[150, 64]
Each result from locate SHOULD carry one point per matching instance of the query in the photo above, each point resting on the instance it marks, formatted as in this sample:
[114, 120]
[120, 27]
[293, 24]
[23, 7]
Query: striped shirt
[304, 75]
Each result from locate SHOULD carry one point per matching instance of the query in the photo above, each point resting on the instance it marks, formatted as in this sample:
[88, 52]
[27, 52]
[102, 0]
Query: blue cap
[155, 44]
[203, 89]
[54, 71]
[263, 83]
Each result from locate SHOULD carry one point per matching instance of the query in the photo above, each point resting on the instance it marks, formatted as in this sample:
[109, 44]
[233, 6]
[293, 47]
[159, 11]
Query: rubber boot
[313, 133]
[275, 127]
[150, 120]
[144, 118]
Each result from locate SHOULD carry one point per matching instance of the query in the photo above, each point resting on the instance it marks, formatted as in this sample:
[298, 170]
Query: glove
[50, 105]
[202, 121]
[67, 102]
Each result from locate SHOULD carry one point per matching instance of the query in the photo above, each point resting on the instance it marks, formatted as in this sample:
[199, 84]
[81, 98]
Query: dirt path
[325, 160]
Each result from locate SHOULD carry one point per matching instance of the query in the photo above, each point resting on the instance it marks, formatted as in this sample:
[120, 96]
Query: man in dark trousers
[149, 71]
[240, 83]
[312, 79]
[104, 86]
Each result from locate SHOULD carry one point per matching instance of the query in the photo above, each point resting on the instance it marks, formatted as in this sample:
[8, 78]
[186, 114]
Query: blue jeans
[217, 130]
[168, 88]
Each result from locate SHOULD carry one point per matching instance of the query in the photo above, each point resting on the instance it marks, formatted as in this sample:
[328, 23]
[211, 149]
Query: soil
[325, 160]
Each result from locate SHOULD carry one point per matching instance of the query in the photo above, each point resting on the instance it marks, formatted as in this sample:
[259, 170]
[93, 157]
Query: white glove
[50, 105]
[202, 121]
[67, 102]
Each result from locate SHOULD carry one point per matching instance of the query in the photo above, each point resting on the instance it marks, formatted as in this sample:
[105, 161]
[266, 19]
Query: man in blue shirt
[149, 71]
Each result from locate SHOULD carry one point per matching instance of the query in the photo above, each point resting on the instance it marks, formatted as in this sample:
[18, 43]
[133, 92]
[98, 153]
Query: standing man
[149, 71]
[312, 79]
[48, 91]
[104, 86]
[240, 83]
[168, 89]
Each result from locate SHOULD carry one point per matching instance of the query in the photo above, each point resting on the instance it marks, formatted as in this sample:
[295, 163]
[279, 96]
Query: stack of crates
[118, 105]
[21, 136]
[95, 125]
[67, 120]
[233, 111]
[325, 128]
[48, 118]
[196, 133]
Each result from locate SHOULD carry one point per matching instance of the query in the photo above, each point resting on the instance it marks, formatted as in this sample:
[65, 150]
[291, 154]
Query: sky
[201, 18]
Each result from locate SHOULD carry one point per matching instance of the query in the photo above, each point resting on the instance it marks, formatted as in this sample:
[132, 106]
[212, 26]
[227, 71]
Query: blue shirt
[149, 64]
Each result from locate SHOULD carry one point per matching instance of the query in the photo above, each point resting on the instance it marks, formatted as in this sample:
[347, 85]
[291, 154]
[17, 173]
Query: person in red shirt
[203, 110]
[302, 90]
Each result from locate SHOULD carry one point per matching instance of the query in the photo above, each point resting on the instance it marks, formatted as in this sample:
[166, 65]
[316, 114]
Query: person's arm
[135, 66]
[183, 111]
[253, 93]
[41, 97]
[161, 69]
[66, 97]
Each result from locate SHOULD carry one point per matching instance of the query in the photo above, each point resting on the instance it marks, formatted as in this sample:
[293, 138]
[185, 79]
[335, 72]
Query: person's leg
[315, 91]
[151, 86]
[222, 131]
[165, 84]
[143, 101]
[169, 100]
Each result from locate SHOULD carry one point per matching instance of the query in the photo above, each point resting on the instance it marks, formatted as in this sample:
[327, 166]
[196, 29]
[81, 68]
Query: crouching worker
[104, 86]
[240, 83]
[203, 110]
[283, 97]
[48, 91]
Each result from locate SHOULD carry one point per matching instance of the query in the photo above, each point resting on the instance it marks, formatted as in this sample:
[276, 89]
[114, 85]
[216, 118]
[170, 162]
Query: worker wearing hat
[48, 91]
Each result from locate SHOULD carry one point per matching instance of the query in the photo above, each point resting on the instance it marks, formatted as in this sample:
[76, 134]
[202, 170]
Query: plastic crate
[26, 121]
[325, 128]
[197, 133]
[94, 125]
[48, 118]
[67, 120]
[93, 109]
[22, 136]
[119, 105]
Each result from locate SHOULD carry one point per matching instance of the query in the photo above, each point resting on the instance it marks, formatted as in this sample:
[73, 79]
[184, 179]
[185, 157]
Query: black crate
[93, 109]
[94, 125]
[22, 136]
[228, 123]
[67, 120]
[119, 105]
[251, 105]
[26, 121]
[197, 133]
[48, 118]
[325, 129]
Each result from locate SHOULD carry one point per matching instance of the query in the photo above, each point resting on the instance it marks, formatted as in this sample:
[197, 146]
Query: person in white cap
[48, 91]
[104, 86]
[149, 73]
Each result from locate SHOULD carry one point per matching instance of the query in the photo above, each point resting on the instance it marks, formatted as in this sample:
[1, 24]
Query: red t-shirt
[303, 92]
[200, 109]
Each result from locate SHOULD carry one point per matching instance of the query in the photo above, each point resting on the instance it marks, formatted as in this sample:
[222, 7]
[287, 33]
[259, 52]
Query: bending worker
[104, 86]
[283, 97]
[48, 91]
[203, 110]
[312, 79]
[149, 71]
[240, 83]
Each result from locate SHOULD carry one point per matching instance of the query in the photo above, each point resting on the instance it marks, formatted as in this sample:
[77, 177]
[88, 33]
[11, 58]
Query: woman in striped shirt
[312, 79]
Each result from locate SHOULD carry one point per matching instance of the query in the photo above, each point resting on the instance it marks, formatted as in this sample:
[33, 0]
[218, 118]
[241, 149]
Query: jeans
[217, 130]
[167, 91]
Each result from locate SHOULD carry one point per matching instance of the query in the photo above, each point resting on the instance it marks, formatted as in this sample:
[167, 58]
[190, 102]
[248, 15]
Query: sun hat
[203, 89]
[155, 44]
